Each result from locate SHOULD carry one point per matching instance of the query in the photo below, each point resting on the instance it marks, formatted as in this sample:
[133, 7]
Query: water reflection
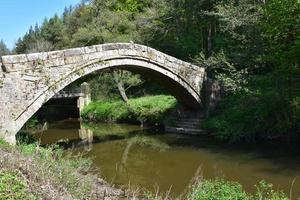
[87, 137]
[78, 133]
[127, 154]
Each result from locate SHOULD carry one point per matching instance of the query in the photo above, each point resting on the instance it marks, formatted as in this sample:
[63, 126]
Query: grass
[28, 171]
[149, 109]
[13, 186]
[220, 189]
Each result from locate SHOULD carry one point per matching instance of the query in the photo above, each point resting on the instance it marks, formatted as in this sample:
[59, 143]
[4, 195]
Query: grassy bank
[31, 172]
[149, 109]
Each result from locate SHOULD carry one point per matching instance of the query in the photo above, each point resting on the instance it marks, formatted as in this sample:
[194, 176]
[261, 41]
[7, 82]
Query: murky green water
[129, 155]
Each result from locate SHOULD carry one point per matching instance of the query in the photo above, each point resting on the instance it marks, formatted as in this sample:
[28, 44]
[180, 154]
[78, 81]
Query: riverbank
[31, 172]
[148, 109]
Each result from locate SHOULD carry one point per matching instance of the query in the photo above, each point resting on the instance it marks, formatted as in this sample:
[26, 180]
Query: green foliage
[261, 112]
[219, 68]
[3, 49]
[33, 122]
[265, 191]
[239, 34]
[220, 189]
[151, 109]
[132, 6]
[12, 186]
[52, 30]
[104, 91]
[32, 171]
[281, 28]
[105, 111]
[266, 103]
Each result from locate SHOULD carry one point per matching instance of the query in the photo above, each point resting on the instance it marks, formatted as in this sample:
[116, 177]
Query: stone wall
[27, 81]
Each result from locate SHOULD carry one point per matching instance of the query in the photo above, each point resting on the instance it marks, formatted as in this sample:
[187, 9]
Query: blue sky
[16, 16]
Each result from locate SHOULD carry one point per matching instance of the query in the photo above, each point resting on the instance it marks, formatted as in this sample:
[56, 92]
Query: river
[153, 160]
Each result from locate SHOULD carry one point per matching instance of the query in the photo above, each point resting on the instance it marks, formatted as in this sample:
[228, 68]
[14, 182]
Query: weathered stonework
[27, 81]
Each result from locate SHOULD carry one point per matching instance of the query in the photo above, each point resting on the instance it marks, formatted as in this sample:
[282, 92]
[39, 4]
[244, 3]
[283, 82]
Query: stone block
[55, 54]
[109, 47]
[14, 59]
[72, 59]
[73, 52]
[54, 62]
[37, 56]
[99, 48]
[90, 49]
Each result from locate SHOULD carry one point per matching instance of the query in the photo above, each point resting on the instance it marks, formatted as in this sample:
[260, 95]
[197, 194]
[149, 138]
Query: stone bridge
[28, 81]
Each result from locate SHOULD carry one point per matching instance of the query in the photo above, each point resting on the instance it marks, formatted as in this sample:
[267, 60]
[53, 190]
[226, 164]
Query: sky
[16, 16]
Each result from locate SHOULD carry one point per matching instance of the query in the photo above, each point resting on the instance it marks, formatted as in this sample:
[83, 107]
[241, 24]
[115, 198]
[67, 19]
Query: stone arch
[44, 74]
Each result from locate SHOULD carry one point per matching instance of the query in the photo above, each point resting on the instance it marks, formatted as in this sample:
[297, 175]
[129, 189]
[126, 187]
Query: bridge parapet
[21, 62]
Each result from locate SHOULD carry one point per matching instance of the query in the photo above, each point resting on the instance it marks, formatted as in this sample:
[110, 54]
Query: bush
[263, 112]
[150, 109]
[219, 189]
[13, 186]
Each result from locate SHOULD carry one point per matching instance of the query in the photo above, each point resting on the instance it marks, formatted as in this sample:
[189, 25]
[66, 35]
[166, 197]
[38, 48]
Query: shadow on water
[129, 154]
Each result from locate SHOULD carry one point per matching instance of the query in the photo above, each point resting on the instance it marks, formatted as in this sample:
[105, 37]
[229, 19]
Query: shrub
[13, 186]
[220, 189]
[150, 109]
[264, 112]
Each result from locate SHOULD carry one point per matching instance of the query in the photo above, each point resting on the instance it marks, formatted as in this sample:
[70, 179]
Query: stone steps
[187, 125]
[187, 122]
[183, 130]
[183, 125]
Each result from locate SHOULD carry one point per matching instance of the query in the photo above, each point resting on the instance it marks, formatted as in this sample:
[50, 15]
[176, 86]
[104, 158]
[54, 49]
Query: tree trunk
[118, 79]
[209, 39]
[122, 92]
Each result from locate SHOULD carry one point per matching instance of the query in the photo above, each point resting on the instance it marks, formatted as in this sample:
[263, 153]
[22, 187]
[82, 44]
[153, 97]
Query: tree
[238, 34]
[281, 29]
[53, 31]
[3, 49]
[124, 81]
[23, 44]
[39, 45]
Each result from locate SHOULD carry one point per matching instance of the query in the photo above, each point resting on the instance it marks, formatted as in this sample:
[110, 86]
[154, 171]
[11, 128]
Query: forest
[251, 47]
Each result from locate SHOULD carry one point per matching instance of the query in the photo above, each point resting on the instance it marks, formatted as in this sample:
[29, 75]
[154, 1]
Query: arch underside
[177, 86]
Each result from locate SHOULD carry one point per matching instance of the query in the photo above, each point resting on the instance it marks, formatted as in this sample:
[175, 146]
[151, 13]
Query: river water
[153, 160]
